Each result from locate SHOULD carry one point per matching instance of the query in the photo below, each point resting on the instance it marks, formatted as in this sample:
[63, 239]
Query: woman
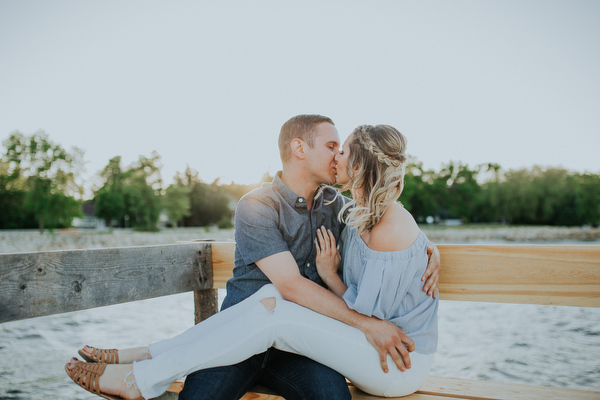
[384, 255]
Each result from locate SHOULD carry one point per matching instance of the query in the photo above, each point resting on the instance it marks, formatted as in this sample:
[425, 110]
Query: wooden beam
[442, 388]
[527, 274]
[524, 274]
[223, 254]
[44, 283]
[473, 389]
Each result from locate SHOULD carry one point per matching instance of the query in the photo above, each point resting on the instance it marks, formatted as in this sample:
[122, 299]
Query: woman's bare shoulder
[397, 230]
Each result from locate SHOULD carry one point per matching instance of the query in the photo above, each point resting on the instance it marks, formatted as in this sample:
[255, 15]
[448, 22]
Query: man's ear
[297, 146]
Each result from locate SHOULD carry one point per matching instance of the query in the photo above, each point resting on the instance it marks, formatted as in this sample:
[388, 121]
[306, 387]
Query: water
[33, 352]
[530, 344]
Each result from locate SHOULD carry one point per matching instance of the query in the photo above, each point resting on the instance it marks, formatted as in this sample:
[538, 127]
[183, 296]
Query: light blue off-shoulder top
[387, 285]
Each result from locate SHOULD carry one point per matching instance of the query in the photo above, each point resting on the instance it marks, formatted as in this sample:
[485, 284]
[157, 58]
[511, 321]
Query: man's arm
[387, 338]
[432, 273]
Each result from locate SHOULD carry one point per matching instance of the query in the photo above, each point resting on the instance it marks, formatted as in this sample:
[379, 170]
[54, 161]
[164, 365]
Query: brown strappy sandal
[87, 375]
[107, 356]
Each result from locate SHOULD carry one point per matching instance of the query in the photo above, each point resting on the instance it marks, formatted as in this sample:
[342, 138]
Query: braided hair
[378, 154]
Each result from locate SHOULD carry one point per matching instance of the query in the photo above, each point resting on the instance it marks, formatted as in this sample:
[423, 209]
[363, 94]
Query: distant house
[89, 219]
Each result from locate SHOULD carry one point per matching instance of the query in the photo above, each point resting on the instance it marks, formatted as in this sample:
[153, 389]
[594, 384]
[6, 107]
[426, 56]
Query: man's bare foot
[117, 380]
[126, 356]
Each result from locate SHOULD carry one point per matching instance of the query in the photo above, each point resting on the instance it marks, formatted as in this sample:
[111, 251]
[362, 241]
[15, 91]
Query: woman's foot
[117, 380]
[113, 356]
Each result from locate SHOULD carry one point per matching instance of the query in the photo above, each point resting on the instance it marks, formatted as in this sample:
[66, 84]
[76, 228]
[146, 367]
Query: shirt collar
[290, 197]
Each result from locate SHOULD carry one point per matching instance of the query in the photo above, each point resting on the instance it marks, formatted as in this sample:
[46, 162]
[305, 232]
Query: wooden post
[206, 303]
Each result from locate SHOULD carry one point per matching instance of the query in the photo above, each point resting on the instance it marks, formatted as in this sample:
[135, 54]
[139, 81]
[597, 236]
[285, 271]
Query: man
[275, 234]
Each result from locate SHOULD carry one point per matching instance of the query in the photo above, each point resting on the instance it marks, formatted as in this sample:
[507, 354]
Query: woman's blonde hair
[376, 167]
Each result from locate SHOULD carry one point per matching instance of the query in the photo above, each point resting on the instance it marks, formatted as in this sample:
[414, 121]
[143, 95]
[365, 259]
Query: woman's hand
[328, 256]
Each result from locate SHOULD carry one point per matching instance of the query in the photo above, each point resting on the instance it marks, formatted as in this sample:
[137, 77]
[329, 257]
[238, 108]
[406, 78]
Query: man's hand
[387, 338]
[432, 273]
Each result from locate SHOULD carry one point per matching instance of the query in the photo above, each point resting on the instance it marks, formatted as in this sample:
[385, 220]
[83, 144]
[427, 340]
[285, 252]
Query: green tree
[488, 203]
[132, 195]
[110, 198]
[518, 198]
[464, 192]
[176, 200]
[556, 197]
[455, 189]
[12, 199]
[588, 191]
[209, 202]
[49, 175]
[417, 195]
[142, 186]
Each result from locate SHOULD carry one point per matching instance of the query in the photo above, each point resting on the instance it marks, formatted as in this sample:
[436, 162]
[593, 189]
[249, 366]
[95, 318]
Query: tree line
[40, 187]
[487, 193]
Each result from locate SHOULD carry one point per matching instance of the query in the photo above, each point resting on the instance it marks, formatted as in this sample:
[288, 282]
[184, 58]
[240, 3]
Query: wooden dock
[46, 283]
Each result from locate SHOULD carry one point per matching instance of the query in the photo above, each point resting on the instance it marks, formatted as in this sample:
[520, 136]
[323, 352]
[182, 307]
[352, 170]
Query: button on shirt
[273, 219]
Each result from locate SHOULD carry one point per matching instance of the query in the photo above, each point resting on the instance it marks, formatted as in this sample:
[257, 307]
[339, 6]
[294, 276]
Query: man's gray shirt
[273, 219]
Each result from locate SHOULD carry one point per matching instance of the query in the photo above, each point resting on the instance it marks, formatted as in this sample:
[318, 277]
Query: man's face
[342, 162]
[321, 158]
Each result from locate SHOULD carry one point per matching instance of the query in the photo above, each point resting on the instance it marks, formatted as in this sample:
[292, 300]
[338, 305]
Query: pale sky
[209, 83]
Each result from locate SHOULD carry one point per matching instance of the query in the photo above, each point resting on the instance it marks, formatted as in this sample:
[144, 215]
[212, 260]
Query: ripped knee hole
[269, 303]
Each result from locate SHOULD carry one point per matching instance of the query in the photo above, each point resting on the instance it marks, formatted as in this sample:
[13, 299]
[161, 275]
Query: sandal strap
[87, 375]
[108, 356]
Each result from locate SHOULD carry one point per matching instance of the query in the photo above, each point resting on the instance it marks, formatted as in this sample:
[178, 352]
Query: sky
[208, 84]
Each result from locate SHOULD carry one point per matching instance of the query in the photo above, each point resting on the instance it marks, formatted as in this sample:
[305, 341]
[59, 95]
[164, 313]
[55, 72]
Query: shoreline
[17, 241]
[511, 234]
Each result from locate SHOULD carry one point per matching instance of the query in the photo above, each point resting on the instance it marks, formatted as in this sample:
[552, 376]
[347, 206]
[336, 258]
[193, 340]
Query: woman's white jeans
[249, 328]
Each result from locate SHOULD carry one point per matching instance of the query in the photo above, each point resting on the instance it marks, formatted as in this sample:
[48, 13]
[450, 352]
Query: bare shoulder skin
[397, 230]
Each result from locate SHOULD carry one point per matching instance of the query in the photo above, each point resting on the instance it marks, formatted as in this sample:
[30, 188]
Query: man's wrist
[363, 323]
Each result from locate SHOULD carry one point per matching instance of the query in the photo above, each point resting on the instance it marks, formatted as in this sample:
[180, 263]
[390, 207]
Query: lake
[530, 344]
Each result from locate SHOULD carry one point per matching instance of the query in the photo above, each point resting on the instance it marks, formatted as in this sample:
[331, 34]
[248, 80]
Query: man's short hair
[303, 127]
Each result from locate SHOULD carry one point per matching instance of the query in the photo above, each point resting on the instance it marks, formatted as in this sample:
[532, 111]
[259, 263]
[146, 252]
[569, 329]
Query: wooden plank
[533, 274]
[439, 388]
[473, 389]
[44, 283]
[260, 396]
[256, 394]
[260, 393]
[223, 254]
[358, 394]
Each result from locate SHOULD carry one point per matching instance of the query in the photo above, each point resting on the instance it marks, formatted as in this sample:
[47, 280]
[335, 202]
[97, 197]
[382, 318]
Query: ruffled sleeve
[379, 282]
[364, 297]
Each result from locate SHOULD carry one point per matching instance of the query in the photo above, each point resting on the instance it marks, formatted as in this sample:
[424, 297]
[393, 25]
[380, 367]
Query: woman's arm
[328, 261]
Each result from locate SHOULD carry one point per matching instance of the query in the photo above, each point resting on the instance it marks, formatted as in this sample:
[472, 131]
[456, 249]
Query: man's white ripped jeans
[267, 320]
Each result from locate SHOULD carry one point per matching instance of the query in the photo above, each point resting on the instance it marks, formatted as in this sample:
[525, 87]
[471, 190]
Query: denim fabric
[223, 383]
[270, 220]
[292, 376]
[250, 328]
[273, 219]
